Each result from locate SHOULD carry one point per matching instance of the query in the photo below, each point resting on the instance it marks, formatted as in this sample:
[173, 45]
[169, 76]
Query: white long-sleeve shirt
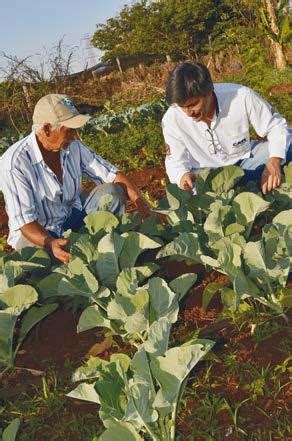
[190, 145]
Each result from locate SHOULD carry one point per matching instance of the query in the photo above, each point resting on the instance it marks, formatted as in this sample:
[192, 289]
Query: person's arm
[22, 213]
[271, 124]
[37, 234]
[95, 168]
[177, 161]
[133, 194]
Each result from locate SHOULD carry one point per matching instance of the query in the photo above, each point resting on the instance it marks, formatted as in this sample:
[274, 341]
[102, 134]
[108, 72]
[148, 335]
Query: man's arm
[177, 161]
[95, 168]
[133, 194]
[267, 122]
[37, 234]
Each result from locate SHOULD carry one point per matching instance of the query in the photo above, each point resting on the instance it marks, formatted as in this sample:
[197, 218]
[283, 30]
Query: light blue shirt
[32, 191]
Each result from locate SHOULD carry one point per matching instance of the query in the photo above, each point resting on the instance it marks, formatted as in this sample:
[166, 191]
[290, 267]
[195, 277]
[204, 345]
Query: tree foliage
[187, 29]
[172, 27]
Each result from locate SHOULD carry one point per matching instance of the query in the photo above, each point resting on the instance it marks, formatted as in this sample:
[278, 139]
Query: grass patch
[46, 413]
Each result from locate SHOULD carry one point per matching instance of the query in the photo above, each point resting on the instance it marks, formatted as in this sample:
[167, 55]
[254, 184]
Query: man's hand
[271, 176]
[187, 181]
[135, 196]
[38, 236]
[55, 246]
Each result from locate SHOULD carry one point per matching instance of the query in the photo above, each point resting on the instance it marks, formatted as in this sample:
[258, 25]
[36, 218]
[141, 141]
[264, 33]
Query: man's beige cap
[55, 108]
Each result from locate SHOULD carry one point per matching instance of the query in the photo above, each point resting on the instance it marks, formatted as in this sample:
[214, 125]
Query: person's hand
[187, 181]
[56, 247]
[271, 176]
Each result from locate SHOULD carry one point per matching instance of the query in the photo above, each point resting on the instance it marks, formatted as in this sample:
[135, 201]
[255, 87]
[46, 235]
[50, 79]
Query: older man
[207, 125]
[41, 179]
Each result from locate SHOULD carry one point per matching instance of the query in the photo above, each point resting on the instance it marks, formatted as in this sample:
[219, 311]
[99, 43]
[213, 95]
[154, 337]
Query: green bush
[135, 147]
[261, 78]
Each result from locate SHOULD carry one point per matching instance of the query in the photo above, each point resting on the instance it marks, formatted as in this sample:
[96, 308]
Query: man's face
[199, 107]
[60, 138]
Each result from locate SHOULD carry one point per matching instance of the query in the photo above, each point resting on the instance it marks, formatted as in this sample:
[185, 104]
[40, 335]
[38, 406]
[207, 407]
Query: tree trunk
[279, 55]
[27, 96]
[119, 66]
[276, 47]
[272, 17]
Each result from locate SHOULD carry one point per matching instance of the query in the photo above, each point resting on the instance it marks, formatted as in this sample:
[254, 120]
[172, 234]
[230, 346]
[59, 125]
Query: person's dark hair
[188, 80]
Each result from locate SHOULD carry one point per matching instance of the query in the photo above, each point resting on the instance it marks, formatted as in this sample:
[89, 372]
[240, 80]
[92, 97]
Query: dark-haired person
[41, 179]
[207, 125]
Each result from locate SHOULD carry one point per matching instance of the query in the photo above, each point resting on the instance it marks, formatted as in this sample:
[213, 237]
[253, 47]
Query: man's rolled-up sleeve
[177, 157]
[267, 122]
[95, 168]
[19, 199]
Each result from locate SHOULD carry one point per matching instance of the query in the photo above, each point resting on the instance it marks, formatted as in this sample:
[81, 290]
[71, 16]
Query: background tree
[189, 29]
[276, 24]
[165, 27]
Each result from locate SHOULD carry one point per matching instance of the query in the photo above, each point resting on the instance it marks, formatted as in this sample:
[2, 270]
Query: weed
[285, 346]
[258, 387]
[230, 360]
[204, 422]
[233, 410]
[45, 414]
[263, 331]
[152, 201]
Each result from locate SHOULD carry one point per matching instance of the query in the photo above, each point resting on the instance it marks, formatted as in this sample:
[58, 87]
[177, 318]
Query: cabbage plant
[13, 303]
[29, 264]
[139, 397]
[16, 299]
[259, 270]
[215, 228]
[133, 309]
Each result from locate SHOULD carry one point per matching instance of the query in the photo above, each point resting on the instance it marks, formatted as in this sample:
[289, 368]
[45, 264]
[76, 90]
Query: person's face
[199, 107]
[59, 138]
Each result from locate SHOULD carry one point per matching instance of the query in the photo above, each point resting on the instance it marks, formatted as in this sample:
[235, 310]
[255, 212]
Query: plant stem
[141, 337]
[152, 434]
[4, 370]
[173, 419]
[164, 435]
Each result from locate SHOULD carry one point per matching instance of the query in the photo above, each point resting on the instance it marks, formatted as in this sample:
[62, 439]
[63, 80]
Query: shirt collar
[220, 99]
[36, 153]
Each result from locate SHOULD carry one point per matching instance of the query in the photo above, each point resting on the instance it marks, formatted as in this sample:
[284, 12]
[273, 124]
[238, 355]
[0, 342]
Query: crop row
[112, 122]
[119, 288]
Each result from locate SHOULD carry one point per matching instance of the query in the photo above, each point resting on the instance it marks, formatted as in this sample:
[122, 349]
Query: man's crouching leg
[109, 197]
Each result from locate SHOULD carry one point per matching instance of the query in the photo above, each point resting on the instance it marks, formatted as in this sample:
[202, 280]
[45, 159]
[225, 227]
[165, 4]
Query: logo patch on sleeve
[239, 143]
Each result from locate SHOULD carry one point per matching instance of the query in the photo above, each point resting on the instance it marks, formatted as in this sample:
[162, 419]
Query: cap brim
[75, 122]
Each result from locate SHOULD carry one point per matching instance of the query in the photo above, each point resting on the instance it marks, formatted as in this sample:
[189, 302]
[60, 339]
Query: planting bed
[54, 348]
[241, 390]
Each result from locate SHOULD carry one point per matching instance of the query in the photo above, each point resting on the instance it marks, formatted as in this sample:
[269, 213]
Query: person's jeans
[255, 164]
[110, 197]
